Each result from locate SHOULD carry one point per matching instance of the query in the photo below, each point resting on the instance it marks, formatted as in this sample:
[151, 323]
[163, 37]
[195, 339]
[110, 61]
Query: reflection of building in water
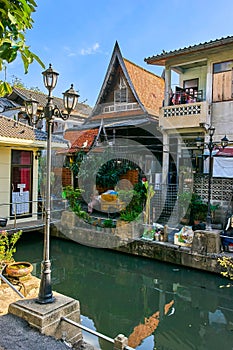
[202, 320]
[216, 319]
[143, 331]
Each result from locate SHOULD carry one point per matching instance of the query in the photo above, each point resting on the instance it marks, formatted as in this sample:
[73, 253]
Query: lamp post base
[45, 293]
[208, 220]
[47, 300]
[47, 318]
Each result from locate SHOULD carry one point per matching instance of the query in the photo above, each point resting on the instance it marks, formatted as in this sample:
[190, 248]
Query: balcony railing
[184, 115]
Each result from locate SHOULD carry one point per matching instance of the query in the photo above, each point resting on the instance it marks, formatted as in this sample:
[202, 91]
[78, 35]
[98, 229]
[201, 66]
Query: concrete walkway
[15, 332]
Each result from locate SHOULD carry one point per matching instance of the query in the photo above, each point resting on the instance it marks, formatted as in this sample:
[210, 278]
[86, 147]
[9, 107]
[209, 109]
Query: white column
[165, 157]
[167, 86]
[209, 82]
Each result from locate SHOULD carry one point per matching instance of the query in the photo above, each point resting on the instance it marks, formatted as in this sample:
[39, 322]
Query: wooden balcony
[188, 115]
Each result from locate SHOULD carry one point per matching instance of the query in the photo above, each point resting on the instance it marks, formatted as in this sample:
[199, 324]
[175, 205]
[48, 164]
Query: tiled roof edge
[207, 44]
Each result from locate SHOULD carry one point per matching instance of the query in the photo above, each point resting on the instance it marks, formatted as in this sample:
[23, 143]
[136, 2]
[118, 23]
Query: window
[191, 88]
[222, 81]
[191, 156]
[188, 94]
[222, 67]
[192, 83]
[21, 182]
[121, 94]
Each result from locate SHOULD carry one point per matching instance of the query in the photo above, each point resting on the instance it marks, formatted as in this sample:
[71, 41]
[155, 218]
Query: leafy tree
[18, 83]
[15, 20]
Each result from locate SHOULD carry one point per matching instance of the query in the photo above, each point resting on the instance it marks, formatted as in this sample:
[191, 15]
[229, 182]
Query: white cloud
[90, 50]
[69, 52]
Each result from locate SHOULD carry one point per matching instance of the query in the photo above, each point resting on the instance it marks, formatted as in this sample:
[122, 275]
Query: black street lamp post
[211, 146]
[70, 98]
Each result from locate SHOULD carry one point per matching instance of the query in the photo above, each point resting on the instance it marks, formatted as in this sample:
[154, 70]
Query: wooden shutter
[222, 86]
[217, 87]
[227, 82]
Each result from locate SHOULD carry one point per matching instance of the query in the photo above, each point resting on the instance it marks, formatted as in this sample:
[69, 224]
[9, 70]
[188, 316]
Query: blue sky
[78, 37]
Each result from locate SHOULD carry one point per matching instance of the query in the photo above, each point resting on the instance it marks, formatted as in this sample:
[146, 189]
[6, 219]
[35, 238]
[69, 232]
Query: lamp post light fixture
[211, 146]
[70, 98]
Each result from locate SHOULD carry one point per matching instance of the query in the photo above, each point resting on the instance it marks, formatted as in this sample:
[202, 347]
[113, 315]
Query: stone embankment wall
[202, 255]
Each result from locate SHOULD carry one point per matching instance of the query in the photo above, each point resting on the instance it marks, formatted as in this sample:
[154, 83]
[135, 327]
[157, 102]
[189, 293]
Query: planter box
[128, 230]
[68, 219]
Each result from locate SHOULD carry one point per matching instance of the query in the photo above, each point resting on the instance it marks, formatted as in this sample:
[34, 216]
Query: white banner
[223, 167]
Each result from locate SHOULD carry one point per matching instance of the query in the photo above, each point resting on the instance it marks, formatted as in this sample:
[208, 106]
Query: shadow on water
[170, 306]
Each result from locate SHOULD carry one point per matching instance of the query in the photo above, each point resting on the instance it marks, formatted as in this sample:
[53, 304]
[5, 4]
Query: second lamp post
[211, 146]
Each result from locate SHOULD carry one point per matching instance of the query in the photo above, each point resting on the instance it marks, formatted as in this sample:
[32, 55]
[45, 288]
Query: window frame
[222, 85]
[21, 211]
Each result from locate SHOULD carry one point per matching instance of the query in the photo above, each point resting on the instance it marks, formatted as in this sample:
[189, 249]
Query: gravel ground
[16, 334]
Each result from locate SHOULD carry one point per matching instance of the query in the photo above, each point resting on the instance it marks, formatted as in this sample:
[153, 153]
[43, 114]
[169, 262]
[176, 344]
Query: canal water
[156, 305]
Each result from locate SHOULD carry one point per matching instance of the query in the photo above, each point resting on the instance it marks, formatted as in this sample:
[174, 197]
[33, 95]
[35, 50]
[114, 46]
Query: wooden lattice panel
[66, 177]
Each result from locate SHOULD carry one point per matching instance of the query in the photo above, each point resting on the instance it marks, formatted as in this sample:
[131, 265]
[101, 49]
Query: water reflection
[142, 331]
[119, 292]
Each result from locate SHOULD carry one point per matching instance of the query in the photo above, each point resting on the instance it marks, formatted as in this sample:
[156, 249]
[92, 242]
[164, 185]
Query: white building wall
[5, 154]
[222, 119]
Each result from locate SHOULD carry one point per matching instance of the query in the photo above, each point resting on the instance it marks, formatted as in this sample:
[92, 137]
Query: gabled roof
[13, 132]
[6, 104]
[19, 95]
[84, 140]
[198, 48]
[146, 87]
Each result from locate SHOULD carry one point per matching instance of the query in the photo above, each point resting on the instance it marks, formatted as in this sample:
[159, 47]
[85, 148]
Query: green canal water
[157, 305]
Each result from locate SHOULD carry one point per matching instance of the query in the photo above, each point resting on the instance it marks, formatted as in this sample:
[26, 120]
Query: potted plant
[199, 209]
[184, 201]
[19, 269]
[108, 225]
[126, 215]
[73, 195]
[7, 246]
[7, 250]
[213, 208]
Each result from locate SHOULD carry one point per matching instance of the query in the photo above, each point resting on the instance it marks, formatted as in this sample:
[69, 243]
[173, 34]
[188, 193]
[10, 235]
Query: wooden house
[198, 94]
[126, 114]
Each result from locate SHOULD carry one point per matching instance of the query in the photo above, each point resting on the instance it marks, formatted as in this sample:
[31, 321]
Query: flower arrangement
[7, 245]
